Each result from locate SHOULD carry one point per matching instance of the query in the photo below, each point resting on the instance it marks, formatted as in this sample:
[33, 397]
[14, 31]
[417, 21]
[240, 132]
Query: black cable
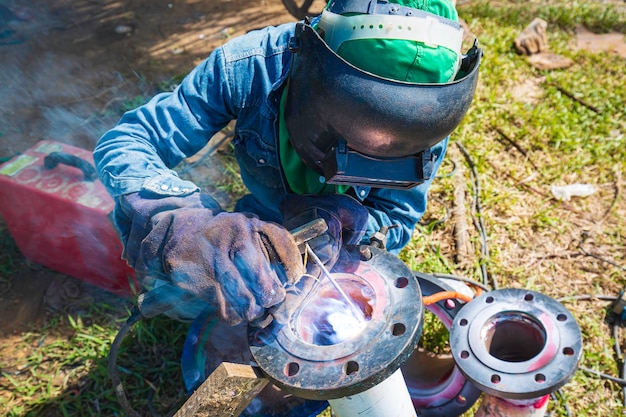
[449, 174]
[584, 252]
[479, 223]
[135, 317]
[619, 381]
[463, 279]
[558, 396]
[620, 359]
[437, 222]
[587, 297]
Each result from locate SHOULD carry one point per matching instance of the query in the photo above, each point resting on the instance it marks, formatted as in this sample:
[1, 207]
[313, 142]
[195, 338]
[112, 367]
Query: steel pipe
[492, 406]
[389, 398]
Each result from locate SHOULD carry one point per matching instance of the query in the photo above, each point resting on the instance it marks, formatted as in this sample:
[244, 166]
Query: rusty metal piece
[299, 363]
[308, 231]
[533, 38]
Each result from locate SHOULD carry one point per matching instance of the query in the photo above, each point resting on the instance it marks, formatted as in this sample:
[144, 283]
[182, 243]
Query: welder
[344, 116]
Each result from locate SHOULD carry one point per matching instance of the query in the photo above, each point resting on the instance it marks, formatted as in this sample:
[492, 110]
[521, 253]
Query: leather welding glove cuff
[345, 216]
[235, 262]
[136, 213]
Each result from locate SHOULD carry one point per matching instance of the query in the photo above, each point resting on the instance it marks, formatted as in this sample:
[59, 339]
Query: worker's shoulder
[266, 42]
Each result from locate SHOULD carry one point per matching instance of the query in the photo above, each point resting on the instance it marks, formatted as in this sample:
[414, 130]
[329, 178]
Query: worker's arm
[150, 140]
[232, 261]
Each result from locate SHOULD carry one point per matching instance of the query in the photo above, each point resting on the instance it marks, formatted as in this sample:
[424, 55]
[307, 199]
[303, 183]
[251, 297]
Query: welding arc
[445, 295]
[358, 314]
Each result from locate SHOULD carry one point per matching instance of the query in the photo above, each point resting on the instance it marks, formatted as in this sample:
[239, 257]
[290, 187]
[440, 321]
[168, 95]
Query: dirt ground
[69, 68]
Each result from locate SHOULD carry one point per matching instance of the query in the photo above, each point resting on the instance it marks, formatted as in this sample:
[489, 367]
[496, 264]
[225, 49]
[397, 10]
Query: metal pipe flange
[516, 343]
[436, 385]
[308, 364]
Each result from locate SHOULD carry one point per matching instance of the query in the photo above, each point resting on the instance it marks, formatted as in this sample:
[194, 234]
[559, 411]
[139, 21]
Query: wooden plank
[463, 246]
[225, 393]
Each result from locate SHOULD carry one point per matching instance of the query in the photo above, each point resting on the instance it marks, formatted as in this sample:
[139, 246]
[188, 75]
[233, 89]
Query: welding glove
[345, 216]
[294, 297]
[235, 262]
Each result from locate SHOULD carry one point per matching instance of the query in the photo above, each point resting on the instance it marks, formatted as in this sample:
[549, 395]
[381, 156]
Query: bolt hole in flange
[402, 282]
[351, 367]
[292, 369]
[398, 329]
[516, 344]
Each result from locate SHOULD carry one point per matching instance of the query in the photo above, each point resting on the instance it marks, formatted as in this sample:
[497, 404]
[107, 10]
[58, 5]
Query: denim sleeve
[403, 208]
[152, 139]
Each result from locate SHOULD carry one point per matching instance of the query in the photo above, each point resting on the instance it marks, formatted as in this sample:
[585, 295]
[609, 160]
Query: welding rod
[358, 314]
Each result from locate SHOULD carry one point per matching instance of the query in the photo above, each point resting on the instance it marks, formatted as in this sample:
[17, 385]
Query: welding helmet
[350, 117]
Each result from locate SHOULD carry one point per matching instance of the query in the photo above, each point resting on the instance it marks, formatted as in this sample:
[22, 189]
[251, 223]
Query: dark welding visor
[356, 128]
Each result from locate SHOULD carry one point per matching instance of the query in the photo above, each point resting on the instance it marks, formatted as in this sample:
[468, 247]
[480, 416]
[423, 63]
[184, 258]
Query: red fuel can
[58, 213]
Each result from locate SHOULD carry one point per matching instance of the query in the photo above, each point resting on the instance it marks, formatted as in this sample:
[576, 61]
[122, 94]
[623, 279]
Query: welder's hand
[236, 262]
[345, 216]
[136, 214]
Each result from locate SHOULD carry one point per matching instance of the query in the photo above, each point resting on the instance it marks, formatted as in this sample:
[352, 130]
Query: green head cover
[403, 48]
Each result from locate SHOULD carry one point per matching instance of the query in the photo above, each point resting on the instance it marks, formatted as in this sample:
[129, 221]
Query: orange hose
[477, 291]
[444, 295]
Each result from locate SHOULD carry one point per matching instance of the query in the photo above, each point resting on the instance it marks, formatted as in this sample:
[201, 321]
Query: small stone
[549, 61]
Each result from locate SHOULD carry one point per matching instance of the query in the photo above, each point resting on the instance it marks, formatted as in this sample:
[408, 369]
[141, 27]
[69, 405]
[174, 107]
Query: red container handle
[55, 158]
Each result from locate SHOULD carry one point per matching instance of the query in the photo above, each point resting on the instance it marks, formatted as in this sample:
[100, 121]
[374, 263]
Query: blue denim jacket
[241, 80]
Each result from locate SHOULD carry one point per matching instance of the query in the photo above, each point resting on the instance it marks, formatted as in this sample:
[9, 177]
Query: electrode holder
[516, 344]
[290, 357]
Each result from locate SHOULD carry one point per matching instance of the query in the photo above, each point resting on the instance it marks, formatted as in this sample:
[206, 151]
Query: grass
[535, 241]
[62, 368]
[520, 144]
